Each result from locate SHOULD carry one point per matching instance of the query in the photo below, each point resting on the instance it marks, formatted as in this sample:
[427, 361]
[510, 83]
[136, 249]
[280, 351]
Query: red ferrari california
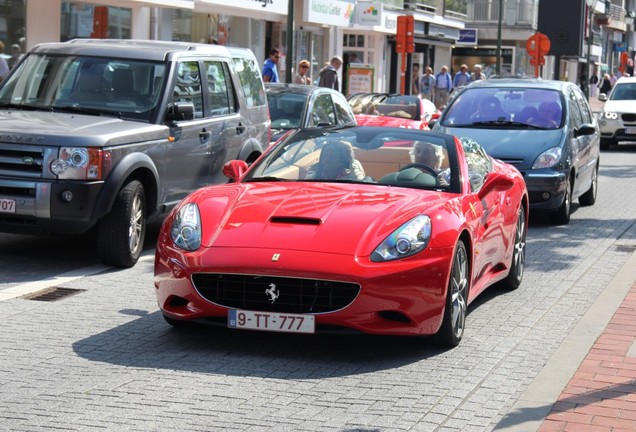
[344, 230]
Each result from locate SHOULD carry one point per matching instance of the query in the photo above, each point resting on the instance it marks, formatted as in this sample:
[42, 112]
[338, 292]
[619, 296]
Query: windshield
[506, 107]
[383, 156]
[624, 91]
[95, 85]
[286, 109]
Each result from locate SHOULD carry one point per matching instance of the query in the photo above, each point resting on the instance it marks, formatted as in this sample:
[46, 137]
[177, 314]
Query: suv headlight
[185, 231]
[609, 115]
[548, 158]
[80, 163]
[409, 239]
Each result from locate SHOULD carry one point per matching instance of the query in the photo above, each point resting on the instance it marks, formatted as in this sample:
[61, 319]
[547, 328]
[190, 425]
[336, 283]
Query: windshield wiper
[21, 106]
[266, 179]
[507, 123]
[80, 110]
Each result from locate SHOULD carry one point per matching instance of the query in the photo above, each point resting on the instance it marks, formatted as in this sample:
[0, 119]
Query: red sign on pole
[537, 45]
[404, 37]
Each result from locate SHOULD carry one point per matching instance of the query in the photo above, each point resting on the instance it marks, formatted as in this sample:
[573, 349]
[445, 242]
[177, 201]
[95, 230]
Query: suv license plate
[630, 131]
[7, 205]
[273, 322]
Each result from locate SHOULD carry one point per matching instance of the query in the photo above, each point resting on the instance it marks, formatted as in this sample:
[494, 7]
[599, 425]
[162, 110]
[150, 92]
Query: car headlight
[609, 115]
[185, 231]
[548, 158]
[407, 240]
[80, 163]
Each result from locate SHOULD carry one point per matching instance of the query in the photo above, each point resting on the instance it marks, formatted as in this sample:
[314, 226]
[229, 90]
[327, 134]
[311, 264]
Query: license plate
[630, 130]
[7, 205]
[273, 322]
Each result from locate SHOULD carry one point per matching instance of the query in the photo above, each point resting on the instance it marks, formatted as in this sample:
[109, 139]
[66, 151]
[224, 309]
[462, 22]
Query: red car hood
[321, 217]
[387, 121]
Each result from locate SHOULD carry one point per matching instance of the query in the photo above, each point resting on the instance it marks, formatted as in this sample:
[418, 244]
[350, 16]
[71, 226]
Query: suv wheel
[120, 235]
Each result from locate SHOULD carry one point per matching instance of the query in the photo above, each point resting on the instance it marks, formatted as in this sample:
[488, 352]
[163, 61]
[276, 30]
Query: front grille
[513, 161]
[630, 118]
[21, 160]
[293, 295]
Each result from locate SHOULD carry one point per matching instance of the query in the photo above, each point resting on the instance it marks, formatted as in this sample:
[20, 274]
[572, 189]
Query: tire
[562, 215]
[518, 261]
[456, 308]
[120, 235]
[606, 143]
[589, 197]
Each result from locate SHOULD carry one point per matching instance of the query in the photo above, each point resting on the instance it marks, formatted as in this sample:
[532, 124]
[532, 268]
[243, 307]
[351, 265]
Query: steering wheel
[421, 166]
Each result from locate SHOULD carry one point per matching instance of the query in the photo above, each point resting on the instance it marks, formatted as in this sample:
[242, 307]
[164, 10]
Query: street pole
[498, 72]
[591, 5]
[289, 58]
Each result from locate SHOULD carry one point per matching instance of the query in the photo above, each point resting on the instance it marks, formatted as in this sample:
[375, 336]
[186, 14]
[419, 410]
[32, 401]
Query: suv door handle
[204, 135]
[240, 129]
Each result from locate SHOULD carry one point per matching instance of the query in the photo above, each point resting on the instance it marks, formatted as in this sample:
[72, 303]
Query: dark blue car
[544, 128]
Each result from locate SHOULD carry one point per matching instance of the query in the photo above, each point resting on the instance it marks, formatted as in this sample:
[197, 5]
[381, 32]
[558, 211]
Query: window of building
[80, 20]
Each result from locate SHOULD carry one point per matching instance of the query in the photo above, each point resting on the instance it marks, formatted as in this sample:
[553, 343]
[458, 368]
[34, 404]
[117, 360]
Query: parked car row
[351, 221]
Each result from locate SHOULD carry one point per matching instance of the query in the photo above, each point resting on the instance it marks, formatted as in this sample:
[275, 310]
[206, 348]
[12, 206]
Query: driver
[432, 156]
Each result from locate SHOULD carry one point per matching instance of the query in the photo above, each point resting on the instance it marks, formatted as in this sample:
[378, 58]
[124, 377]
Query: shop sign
[467, 36]
[271, 6]
[368, 14]
[330, 12]
[360, 79]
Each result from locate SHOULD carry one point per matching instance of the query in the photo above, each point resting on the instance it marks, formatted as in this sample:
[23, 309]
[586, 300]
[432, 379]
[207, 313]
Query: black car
[296, 106]
[544, 128]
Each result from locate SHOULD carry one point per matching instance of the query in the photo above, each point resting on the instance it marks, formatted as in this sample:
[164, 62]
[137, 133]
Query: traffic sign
[538, 44]
[405, 36]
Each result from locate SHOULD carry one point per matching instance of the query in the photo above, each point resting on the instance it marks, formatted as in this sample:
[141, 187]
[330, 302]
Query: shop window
[80, 20]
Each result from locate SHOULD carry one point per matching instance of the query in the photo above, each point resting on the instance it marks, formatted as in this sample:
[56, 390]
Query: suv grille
[21, 160]
[295, 295]
[629, 117]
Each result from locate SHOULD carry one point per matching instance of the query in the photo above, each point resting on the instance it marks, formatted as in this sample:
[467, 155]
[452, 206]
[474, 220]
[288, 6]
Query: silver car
[618, 118]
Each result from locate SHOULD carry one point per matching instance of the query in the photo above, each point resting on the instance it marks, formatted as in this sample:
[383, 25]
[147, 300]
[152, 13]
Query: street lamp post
[629, 20]
[591, 5]
[498, 71]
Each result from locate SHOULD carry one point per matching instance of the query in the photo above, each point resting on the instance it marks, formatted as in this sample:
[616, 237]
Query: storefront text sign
[331, 12]
[360, 79]
[272, 6]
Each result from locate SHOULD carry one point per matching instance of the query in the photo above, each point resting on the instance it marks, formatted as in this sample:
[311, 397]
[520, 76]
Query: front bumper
[40, 206]
[396, 298]
[621, 129]
[546, 188]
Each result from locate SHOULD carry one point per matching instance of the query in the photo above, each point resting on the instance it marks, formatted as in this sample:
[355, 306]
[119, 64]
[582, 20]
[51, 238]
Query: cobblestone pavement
[104, 359]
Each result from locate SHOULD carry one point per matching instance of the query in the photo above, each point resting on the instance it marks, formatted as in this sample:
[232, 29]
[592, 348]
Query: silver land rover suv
[111, 134]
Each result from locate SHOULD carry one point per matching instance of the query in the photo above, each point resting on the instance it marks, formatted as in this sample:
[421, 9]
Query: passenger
[432, 156]
[337, 162]
[549, 116]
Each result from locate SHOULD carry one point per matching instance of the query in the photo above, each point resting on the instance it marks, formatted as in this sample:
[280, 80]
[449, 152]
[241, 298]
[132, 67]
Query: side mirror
[585, 129]
[602, 97]
[180, 111]
[234, 169]
[495, 182]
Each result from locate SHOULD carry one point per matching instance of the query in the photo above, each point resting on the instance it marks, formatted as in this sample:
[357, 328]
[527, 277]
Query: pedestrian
[270, 73]
[443, 86]
[415, 80]
[4, 66]
[613, 79]
[301, 76]
[606, 84]
[427, 84]
[329, 74]
[16, 55]
[462, 77]
[477, 74]
[594, 85]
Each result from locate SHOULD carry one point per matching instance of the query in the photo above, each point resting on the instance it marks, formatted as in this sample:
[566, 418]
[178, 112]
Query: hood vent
[295, 220]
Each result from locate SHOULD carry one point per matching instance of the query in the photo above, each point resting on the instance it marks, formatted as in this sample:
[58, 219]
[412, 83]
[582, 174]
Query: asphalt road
[104, 359]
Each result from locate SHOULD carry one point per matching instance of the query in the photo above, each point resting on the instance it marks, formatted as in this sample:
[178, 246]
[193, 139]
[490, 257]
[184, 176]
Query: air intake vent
[295, 220]
[52, 294]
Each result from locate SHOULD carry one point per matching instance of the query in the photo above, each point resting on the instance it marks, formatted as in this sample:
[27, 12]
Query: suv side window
[187, 87]
[250, 77]
[220, 96]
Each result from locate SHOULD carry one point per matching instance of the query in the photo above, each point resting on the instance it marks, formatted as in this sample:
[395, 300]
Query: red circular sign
[538, 44]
